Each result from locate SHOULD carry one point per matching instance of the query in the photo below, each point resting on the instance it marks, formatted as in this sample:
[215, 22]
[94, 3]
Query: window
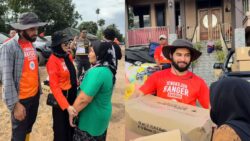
[143, 19]
[245, 5]
[146, 19]
[136, 22]
[160, 14]
[201, 4]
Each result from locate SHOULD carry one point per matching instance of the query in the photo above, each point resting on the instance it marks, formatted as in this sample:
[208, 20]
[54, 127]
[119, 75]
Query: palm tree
[97, 13]
[101, 22]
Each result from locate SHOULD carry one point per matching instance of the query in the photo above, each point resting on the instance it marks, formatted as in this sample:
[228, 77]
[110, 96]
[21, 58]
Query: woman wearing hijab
[230, 109]
[93, 103]
[63, 84]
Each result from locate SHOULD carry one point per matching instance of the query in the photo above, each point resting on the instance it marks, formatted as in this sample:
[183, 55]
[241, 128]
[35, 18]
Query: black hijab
[230, 104]
[58, 52]
[58, 38]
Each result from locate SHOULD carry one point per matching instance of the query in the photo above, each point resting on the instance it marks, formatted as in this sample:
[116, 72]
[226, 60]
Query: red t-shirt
[186, 89]
[158, 55]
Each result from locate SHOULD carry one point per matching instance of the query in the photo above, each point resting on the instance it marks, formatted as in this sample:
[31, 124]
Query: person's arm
[203, 97]
[90, 86]
[150, 85]
[19, 111]
[82, 101]
[156, 56]
[137, 93]
[9, 92]
[118, 51]
[54, 84]
[225, 133]
[90, 45]
[158, 63]
[73, 43]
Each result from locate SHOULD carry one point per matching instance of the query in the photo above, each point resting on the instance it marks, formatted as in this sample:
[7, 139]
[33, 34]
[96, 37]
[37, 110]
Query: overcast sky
[112, 11]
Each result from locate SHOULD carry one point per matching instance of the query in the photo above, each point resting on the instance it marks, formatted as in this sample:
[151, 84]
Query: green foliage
[100, 34]
[3, 10]
[90, 26]
[59, 14]
[218, 45]
[97, 11]
[193, 64]
[130, 18]
[198, 46]
[3, 7]
[220, 56]
[117, 32]
[101, 22]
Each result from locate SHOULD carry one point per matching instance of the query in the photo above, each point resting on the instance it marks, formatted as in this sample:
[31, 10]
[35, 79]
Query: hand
[75, 38]
[73, 43]
[160, 66]
[19, 111]
[71, 121]
[78, 83]
[72, 111]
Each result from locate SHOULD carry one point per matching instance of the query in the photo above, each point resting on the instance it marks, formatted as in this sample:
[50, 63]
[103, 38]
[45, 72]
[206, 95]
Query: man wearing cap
[82, 45]
[160, 59]
[178, 83]
[20, 76]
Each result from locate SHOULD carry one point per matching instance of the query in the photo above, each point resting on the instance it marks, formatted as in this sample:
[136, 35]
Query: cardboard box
[130, 135]
[174, 135]
[149, 115]
[234, 67]
[217, 72]
[243, 65]
[242, 53]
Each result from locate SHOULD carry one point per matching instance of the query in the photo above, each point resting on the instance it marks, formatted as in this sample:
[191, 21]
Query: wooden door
[209, 20]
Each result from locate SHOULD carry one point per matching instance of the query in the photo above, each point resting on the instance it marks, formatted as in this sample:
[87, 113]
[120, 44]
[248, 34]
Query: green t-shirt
[97, 83]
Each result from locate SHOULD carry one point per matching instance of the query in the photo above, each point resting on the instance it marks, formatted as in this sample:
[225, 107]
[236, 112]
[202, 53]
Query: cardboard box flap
[242, 53]
[174, 135]
[149, 115]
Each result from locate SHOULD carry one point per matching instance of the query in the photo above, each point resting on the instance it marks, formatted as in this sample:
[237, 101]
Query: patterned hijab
[105, 55]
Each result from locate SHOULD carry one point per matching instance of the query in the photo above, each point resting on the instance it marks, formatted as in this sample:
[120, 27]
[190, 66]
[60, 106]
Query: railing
[226, 31]
[226, 37]
[142, 36]
[179, 31]
[215, 34]
[195, 38]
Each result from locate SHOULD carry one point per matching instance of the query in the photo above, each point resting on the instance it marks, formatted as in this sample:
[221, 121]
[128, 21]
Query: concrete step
[204, 66]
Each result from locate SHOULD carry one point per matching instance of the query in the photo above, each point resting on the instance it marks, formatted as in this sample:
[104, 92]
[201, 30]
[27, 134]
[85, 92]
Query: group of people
[83, 107]
[83, 113]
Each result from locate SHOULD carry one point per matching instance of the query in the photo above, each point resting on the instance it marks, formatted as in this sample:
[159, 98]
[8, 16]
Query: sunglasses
[67, 43]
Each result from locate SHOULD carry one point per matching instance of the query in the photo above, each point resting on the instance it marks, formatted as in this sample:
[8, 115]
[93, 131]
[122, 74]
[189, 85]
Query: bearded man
[178, 83]
[20, 76]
